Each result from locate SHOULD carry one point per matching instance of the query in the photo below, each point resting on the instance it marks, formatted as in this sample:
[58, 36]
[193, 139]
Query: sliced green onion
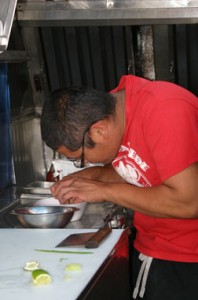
[65, 252]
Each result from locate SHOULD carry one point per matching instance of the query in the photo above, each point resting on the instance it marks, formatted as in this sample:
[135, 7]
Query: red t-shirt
[161, 139]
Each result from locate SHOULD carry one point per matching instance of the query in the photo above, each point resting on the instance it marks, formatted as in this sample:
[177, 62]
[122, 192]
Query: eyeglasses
[80, 163]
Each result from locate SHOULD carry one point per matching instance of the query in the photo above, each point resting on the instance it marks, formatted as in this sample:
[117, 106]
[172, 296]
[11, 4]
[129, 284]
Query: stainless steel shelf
[120, 12]
[14, 56]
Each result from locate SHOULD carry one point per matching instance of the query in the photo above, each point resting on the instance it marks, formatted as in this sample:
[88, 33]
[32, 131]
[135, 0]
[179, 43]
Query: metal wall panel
[93, 56]
[176, 54]
[6, 167]
[186, 56]
[99, 56]
[28, 150]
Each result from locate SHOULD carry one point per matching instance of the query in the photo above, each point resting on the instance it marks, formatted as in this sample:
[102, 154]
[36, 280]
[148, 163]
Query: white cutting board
[17, 246]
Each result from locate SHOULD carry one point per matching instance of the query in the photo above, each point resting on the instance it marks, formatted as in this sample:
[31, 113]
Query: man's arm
[105, 174]
[176, 197]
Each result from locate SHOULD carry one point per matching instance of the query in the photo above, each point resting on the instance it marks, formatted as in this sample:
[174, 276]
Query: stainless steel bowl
[38, 187]
[41, 184]
[44, 216]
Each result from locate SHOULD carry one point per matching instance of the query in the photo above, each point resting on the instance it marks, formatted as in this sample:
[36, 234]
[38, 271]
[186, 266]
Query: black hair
[69, 112]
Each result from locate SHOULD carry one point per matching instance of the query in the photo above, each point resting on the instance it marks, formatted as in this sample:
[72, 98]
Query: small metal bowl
[44, 216]
[38, 187]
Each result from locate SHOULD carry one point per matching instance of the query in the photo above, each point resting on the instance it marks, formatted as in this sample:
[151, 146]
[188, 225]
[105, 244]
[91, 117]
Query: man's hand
[74, 189]
[86, 185]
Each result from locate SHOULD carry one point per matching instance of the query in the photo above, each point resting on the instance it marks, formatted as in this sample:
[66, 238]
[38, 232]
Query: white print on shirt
[129, 166]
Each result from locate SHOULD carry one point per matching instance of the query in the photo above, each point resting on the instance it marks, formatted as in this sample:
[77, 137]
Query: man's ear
[99, 131]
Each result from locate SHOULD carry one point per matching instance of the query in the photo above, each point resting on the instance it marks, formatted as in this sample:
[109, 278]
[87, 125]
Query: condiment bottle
[52, 175]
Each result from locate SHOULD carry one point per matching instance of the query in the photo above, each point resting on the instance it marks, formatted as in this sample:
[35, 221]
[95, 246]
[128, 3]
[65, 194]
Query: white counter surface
[17, 246]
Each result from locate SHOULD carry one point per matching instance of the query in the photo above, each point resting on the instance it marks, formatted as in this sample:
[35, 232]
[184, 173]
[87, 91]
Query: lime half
[41, 277]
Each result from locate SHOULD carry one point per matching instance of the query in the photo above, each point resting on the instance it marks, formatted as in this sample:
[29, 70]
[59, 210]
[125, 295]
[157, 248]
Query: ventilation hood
[7, 11]
[106, 12]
